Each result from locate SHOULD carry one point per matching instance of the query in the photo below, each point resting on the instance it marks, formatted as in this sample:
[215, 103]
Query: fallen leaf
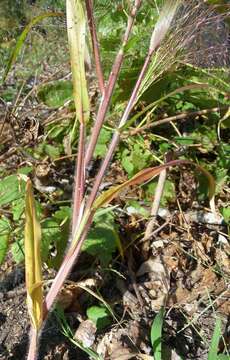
[86, 333]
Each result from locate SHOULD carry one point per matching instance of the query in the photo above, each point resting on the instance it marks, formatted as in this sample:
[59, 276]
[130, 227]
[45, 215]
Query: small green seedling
[156, 334]
[214, 346]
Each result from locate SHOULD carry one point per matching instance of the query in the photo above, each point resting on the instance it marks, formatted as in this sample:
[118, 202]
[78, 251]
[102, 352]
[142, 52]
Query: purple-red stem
[64, 270]
[79, 178]
[110, 87]
[93, 32]
[71, 256]
[32, 354]
[116, 136]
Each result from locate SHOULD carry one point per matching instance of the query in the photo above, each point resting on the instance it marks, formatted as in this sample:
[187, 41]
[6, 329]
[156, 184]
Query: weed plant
[173, 45]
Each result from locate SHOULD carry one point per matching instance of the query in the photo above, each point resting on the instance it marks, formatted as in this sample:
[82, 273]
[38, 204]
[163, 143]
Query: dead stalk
[156, 204]
[181, 116]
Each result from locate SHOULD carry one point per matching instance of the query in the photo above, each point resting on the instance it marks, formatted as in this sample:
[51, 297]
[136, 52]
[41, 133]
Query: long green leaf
[22, 39]
[76, 28]
[33, 260]
[156, 334]
[213, 351]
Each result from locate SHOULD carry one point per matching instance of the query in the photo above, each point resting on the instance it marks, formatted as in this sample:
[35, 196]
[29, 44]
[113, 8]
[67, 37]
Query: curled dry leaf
[70, 293]
[155, 289]
[86, 333]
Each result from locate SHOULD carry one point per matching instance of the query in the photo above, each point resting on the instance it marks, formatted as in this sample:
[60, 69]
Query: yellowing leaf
[76, 28]
[147, 174]
[33, 260]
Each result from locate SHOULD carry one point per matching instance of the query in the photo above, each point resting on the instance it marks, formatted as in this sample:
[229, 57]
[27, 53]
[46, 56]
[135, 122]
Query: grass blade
[33, 260]
[213, 351]
[76, 28]
[22, 39]
[156, 334]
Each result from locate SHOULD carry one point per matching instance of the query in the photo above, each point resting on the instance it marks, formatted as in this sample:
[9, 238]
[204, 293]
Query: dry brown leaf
[86, 333]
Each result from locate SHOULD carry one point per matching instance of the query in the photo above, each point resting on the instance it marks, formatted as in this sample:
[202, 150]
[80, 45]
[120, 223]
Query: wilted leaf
[86, 333]
[33, 260]
[147, 174]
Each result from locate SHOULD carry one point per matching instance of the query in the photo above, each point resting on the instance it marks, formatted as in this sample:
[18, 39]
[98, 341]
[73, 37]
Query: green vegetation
[179, 115]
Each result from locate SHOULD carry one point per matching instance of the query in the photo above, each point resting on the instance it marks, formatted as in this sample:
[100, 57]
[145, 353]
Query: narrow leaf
[22, 39]
[156, 334]
[76, 28]
[212, 355]
[146, 174]
[33, 260]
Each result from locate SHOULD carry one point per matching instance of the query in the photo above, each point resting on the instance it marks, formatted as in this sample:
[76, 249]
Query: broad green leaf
[213, 351]
[18, 208]
[103, 239]
[33, 264]
[54, 236]
[5, 230]
[136, 159]
[169, 192]
[99, 315]
[156, 334]
[103, 139]
[55, 233]
[147, 174]
[22, 39]
[226, 214]
[11, 188]
[76, 29]
[223, 357]
[17, 250]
